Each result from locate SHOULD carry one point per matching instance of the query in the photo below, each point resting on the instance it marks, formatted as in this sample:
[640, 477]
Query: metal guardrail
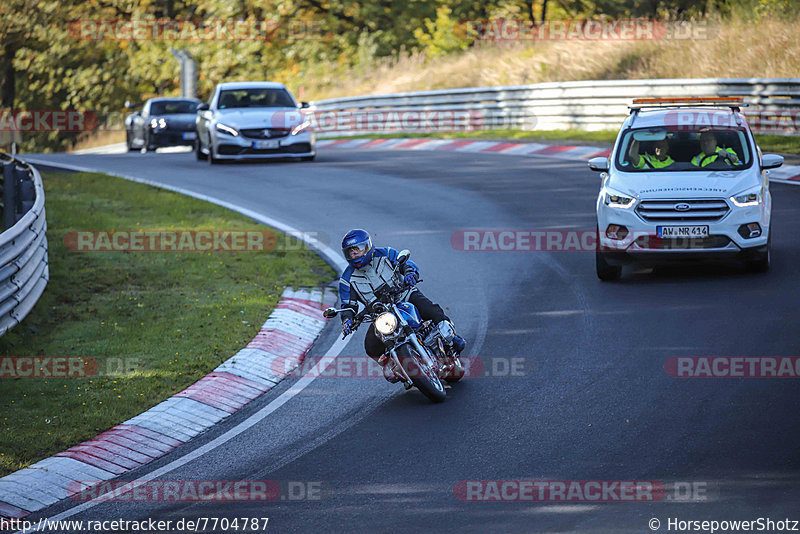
[589, 105]
[24, 268]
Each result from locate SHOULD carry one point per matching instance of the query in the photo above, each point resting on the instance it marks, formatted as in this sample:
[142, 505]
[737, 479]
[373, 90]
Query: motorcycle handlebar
[364, 314]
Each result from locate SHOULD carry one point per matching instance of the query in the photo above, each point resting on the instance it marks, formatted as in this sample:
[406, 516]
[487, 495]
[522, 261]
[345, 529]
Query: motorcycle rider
[369, 268]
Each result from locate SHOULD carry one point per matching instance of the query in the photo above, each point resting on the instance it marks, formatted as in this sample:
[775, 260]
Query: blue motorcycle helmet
[357, 248]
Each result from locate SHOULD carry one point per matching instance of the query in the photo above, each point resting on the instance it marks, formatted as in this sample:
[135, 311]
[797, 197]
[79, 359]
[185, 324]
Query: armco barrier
[23, 245]
[774, 106]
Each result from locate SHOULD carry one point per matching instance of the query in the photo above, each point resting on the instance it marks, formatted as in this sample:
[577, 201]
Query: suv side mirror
[771, 161]
[202, 107]
[599, 164]
[305, 105]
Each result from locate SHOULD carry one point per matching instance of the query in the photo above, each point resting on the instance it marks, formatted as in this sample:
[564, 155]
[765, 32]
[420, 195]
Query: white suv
[685, 180]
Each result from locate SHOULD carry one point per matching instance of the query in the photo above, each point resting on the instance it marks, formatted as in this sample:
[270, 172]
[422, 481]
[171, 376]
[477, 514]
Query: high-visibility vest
[657, 163]
[711, 158]
[649, 161]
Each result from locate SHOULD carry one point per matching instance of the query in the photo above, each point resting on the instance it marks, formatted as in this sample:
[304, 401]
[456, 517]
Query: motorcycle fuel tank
[410, 314]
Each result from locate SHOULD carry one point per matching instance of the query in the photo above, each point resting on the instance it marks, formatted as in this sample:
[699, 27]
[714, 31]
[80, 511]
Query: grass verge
[780, 144]
[155, 322]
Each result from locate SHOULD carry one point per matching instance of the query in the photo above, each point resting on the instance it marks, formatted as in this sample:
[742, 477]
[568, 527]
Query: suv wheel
[605, 271]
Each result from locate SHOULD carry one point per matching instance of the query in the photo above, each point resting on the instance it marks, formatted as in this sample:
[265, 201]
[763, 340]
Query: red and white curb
[287, 335]
[464, 145]
[789, 174]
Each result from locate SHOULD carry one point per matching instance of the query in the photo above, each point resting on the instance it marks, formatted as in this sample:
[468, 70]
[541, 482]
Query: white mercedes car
[685, 181]
[253, 120]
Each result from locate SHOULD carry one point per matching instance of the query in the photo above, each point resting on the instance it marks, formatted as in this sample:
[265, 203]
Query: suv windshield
[672, 149]
[255, 98]
[170, 107]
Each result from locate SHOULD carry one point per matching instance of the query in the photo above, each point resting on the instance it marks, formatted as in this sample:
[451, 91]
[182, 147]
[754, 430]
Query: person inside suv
[711, 152]
[658, 160]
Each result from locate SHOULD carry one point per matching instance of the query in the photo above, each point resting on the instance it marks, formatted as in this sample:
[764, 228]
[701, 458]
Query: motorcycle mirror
[330, 312]
[402, 257]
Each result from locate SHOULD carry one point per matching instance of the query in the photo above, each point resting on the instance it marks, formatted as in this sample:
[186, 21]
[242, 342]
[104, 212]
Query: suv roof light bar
[733, 102]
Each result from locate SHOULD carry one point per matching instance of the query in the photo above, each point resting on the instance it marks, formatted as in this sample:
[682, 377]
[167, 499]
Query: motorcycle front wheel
[421, 375]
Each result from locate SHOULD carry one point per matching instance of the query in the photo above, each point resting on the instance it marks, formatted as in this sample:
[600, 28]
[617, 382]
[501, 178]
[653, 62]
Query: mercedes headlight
[224, 128]
[386, 323]
[300, 128]
[615, 199]
[751, 197]
[157, 124]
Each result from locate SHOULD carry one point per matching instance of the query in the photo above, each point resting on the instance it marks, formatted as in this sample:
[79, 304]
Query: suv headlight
[615, 199]
[386, 323]
[224, 128]
[751, 197]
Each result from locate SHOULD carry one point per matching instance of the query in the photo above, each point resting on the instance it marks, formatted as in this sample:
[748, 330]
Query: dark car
[162, 122]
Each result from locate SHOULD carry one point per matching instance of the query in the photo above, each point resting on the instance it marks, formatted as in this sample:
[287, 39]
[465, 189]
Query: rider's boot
[458, 344]
[448, 333]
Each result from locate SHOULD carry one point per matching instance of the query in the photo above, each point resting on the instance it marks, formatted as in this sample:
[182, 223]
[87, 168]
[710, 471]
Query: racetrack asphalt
[592, 402]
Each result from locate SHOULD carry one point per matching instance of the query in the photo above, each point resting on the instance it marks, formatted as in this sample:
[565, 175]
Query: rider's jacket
[359, 285]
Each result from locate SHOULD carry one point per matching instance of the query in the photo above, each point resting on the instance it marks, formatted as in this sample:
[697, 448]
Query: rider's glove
[347, 327]
[411, 278]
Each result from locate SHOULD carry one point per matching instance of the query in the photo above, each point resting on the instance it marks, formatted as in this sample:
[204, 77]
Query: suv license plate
[667, 232]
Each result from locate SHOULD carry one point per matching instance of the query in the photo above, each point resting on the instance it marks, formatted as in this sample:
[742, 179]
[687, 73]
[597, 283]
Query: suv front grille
[665, 211]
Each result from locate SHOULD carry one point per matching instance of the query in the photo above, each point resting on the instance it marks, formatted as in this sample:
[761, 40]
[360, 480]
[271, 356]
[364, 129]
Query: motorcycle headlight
[386, 323]
[751, 197]
[615, 199]
[224, 128]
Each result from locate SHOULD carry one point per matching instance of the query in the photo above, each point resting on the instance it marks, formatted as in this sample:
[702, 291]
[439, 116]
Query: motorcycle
[417, 351]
